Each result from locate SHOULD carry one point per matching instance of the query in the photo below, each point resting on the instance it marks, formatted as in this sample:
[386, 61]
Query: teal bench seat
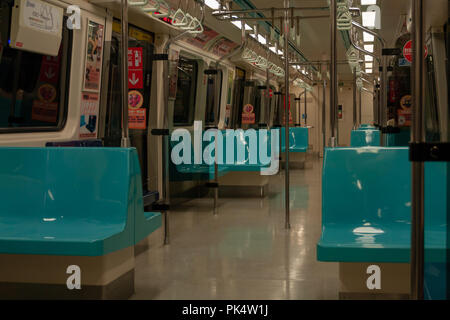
[247, 155]
[298, 139]
[365, 138]
[364, 126]
[366, 206]
[71, 201]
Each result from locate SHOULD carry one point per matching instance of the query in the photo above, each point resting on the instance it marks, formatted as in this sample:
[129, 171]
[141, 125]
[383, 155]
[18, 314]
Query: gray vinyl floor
[244, 252]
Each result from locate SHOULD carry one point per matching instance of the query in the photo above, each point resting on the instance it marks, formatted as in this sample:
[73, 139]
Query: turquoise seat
[366, 206]
[365, 138]
[366, 126]
[242, 150]
[298, 139]
[71, 201]
[400, 139]
[254, 150]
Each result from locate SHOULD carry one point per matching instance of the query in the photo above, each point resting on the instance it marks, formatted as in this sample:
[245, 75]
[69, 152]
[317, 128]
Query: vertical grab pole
[306, 112]
[165, 154]
[360, 107]
[125, 141]
[354, 101]
[417, 136]
[333, 76]
[286, 110]
[383, 88]
[324, 129]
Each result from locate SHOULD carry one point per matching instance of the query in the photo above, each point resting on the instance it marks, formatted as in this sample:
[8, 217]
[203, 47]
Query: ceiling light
[368, 58]
[369, 65]
[213, 4]
[262, 39]
[368, 70]
[368, 47]
[368, 19]
[238, 24]
[272, 49]
[368, 2]
[368, 37]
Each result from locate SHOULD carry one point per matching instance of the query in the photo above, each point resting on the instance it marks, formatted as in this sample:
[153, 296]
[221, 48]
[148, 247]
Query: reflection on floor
[244, 252]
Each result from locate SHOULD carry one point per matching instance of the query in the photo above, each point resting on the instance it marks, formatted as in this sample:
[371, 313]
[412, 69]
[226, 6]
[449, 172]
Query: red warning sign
[407, 51]
[50, 69]
[135, 68]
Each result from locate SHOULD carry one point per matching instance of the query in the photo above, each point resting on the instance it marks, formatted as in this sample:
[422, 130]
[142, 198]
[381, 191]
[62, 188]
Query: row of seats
[298, 142]
[366, 209]
[68, 204]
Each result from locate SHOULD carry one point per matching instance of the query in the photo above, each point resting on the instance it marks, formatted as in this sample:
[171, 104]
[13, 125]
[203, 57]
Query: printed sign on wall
[202, 39]
[45, 108]
[42, 16]
[248, 115]
[135, 68]
[89, 114]
[94, 55]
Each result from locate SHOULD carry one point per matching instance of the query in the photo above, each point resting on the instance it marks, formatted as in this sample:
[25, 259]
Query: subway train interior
[240, 150]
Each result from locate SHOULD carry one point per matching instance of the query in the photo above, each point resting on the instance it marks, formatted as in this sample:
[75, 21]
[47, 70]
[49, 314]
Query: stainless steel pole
[306, 111]
[125, 141]
[333, 76]
[417, 136]
[383, 87]
[360, 108]
[354, 101]
[324, 129]
[286, 111]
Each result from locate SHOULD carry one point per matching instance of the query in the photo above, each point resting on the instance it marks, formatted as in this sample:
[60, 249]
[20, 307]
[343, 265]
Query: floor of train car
[244, 252]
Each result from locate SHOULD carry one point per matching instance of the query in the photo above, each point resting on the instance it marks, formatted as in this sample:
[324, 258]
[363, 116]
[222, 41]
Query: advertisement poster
[223, 46]
[94, 54]
[202, 39]
[89, 114]
[45, 108]
[404, 114]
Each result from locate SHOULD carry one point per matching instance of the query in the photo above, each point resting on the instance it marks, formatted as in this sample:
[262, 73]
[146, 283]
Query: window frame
[217, 101]
[192, 108]
[65, 85]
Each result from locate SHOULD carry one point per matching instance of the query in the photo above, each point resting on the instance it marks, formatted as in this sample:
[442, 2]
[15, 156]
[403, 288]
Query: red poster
[44, 111]
[137, 119]
[135, 68]
[404, 118]
[50, 69]
[407, 51]
[248, 116]
[223, 46]
[203, 38]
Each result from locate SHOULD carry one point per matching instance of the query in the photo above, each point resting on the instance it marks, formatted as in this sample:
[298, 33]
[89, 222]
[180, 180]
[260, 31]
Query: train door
[140, 58]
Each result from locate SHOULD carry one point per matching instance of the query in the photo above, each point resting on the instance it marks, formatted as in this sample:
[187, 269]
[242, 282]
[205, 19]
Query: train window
[183, 114]
[213, 94]
[33, 87]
